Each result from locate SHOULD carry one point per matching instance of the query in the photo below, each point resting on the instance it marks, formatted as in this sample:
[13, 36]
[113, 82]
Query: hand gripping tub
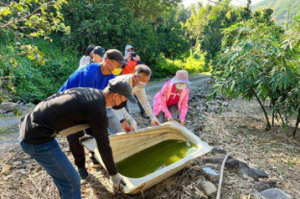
[125, 145]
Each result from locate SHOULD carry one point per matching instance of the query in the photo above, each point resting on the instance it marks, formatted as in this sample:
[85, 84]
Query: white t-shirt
[85, 60]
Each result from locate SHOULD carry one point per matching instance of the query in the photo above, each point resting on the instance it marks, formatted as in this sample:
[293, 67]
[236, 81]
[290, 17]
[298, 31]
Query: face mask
[141, 85]
[116, 71]
[180, 86]
[118, 107]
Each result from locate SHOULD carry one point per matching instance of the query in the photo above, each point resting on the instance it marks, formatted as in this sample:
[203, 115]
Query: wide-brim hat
[181, 77]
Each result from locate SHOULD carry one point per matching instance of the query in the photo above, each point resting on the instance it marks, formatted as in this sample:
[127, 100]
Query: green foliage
[149, 9]
[167, 67]
[30, 19]
[31, 82]
[206, 24]
[114, 24]
[257, 61]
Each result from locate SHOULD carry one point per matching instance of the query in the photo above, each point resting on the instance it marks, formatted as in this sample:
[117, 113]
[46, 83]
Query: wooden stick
[221, 176]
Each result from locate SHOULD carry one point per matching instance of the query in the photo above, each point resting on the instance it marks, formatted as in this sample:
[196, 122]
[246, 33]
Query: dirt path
[237, 126]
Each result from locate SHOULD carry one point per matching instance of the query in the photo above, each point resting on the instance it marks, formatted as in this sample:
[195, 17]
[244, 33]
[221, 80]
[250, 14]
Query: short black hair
[142, 68]
[89, 49]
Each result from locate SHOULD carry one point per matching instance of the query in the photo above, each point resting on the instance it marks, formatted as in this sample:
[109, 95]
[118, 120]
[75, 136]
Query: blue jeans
[50, 156]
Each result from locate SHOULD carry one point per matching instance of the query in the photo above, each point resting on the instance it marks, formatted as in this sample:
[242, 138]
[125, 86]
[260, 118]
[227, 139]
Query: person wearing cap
[132, 59]
[138, 81]
[173, 98]
[98, 54]
[86, 59]
[97, 76]
[66, 113]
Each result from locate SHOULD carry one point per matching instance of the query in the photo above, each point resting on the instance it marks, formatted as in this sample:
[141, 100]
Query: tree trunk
[264, 110]
[297, 122]
[272, 104]
[273, 117]
[282, 120]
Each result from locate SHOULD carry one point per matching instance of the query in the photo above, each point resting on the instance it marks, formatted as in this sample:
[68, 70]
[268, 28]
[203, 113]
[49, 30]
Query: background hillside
[280, 8]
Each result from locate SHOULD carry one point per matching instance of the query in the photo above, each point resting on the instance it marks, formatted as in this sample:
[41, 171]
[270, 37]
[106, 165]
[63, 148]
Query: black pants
[77, 149]
[139, 104]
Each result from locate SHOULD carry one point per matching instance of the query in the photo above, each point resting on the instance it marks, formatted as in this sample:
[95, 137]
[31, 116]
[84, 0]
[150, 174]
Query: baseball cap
[98, 50]
[123, 88]
[114, 54]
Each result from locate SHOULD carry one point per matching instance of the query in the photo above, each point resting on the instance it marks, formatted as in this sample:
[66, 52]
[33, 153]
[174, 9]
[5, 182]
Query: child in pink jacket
[173, 98]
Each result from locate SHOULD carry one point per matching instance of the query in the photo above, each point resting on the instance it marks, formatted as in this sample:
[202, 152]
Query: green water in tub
[154, 158]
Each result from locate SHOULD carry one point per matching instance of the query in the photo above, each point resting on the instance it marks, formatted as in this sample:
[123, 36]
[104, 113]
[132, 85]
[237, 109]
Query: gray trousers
[173, 110]
[114, 125]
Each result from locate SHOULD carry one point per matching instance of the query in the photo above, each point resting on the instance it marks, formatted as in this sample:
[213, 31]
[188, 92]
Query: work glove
[118, 181]
[134, 125]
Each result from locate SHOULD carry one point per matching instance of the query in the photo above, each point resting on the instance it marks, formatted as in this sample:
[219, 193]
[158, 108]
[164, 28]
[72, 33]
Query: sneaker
[144, 115]
[83, 173]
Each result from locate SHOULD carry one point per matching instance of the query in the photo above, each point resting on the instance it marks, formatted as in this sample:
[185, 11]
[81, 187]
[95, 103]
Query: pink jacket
[161, 98]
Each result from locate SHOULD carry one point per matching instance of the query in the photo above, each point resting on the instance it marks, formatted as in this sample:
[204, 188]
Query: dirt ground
[237, 127]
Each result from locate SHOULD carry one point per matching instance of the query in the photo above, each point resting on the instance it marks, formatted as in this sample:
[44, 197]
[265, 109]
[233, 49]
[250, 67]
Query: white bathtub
[124, 145]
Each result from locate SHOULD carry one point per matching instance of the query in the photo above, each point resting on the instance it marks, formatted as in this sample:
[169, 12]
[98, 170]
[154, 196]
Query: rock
[7, 177]
[16, 163]
[208, 188]
[275, 193]
[260, 186]
[6, 169]
[232, 163]
[210, 173]
[254, 173]
[23, 171]
[218, 150]
[259, 173]
[7, 107]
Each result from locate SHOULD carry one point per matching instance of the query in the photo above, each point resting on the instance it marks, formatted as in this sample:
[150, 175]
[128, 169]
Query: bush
[31, 82]
[166, 67]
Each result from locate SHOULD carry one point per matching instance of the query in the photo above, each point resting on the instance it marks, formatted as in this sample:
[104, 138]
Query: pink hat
[181, 77]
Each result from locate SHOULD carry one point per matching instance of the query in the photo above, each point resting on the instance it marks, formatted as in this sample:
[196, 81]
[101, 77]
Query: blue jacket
[87, 76]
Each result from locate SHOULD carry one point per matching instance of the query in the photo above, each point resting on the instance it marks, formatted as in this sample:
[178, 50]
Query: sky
[187, 3]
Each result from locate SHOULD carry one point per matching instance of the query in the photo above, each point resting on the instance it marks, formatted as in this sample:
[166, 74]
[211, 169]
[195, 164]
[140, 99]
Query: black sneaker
[83, 173]
[144, 115]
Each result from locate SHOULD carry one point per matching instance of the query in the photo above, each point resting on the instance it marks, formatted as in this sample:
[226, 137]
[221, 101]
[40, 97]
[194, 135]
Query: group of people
[93, 101]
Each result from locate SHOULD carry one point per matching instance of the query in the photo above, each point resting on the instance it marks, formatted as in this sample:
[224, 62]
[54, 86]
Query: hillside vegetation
[280, 8]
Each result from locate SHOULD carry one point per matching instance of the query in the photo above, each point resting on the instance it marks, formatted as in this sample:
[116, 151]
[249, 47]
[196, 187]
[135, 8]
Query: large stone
[232, 164]
[254, 173]
[275, 193]
[208, 188]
